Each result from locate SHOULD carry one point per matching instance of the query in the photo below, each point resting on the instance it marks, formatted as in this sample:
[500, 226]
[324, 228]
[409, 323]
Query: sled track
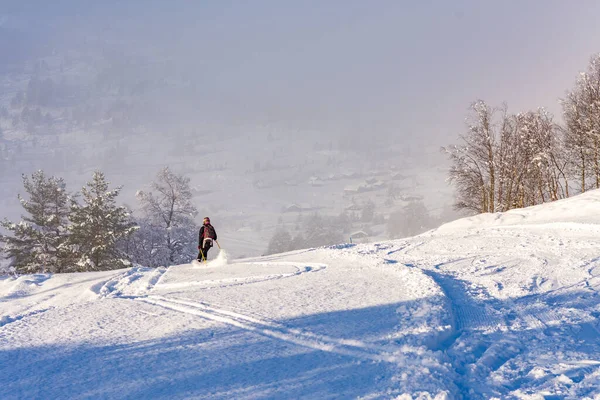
[351, 348]
[261, 259]
[469, 315]
[231, 282]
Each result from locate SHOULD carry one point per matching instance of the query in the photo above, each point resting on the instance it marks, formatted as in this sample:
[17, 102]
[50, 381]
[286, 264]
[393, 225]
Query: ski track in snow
[352, 348]
[136, 283]
[496, 341]
[488, 333]
[479, 344]
[7, 319]
[467, 313]
[131, 285]
[490, 336]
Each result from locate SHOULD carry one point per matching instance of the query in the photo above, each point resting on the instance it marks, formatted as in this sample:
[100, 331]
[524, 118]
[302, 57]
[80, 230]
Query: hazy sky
[408, 67]
[150, 83]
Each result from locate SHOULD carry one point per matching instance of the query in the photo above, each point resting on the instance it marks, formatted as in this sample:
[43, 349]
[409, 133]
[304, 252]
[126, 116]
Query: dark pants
[204, 251]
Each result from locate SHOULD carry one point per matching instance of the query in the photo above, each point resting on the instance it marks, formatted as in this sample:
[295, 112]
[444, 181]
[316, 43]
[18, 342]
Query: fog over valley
[285, 117]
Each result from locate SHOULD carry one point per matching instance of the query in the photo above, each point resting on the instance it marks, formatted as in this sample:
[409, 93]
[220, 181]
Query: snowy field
[494, 306]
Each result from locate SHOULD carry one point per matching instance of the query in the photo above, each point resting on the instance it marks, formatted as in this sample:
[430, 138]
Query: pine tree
[319, 231]
[38, 243]
[97, 227]
[413, 219]
[280, 242]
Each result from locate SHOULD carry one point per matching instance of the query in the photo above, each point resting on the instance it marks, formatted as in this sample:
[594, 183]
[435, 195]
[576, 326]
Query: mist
[277, 111]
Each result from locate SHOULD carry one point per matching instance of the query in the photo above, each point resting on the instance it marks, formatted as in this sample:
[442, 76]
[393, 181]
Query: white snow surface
[493, 306]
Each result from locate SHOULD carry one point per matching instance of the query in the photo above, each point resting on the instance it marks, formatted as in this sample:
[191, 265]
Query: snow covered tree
[581, 112]
[168, 212]
[473, 164]
[145, 246]
[38, 242]
[577, 141]
[508, 162]
[97, 227]
[530, 164]
[542, 159]
[509, 169]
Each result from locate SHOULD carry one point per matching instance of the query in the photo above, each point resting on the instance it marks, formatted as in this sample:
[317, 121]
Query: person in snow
[206, 237]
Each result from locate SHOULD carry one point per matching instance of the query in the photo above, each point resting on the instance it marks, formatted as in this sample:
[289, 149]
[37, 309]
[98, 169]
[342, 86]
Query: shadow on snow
[228, 362]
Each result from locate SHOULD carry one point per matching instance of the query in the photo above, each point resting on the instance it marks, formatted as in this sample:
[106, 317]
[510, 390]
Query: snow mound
[23, 285]
[581, 209]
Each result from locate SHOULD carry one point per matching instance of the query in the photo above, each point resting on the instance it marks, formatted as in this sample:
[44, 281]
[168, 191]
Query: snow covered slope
[501, 305]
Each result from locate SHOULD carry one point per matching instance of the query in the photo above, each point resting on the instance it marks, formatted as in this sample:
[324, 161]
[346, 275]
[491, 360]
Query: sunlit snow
[497, 305]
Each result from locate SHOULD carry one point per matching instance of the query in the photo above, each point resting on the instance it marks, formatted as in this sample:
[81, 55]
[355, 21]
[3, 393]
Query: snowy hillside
[494, 306]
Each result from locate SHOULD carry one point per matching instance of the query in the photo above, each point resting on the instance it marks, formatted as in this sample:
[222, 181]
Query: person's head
[206, 221]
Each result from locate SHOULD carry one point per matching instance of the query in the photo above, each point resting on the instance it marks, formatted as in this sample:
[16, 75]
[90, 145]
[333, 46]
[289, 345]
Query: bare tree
[170, 210]
[581, 112]
[510, 172]
[509, 161]
[545, 163]
[576, 140]
[473, 165]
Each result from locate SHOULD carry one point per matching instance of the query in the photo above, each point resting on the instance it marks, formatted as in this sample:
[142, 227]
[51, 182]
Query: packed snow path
[495, 306]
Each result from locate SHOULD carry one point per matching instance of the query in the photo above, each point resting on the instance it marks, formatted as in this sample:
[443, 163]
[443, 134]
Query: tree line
[506, 161]
[89, 231]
